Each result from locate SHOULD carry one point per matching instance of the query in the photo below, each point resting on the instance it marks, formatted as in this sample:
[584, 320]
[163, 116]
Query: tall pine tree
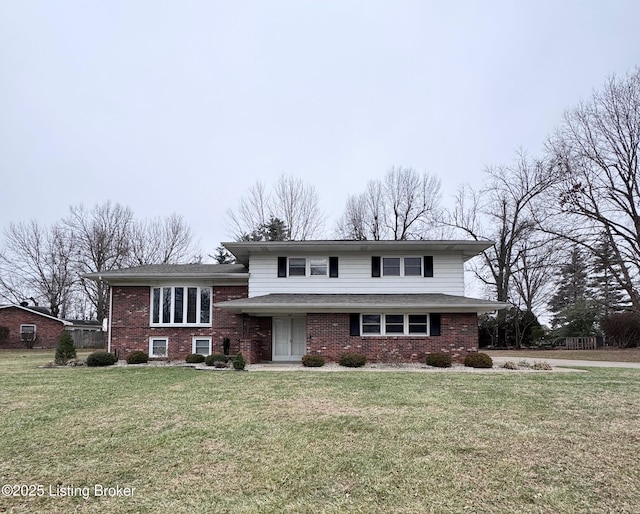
[609, 296]
[574, 310]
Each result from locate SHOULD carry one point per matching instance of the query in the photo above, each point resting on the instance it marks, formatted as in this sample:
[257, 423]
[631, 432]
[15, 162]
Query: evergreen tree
[274, 230]
[66, 350]
[222, 256]
[607, 292]
[572, 282]
[575, 311]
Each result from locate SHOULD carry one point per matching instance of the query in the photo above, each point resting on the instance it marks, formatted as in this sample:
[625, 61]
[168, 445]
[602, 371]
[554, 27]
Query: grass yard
[204, 441]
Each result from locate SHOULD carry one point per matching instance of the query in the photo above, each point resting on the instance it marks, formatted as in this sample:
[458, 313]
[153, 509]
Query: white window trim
[184, 308]
[383, 324]
[402, 267]
[28, 325]
[166, 342]
[196, 338]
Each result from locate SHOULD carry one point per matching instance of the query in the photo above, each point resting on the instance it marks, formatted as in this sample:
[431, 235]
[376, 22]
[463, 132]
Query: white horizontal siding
[355, 277]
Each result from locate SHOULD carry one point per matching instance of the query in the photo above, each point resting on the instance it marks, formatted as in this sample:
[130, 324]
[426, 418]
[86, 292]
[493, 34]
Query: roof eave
[243, 249]
[292, 308]
[164, 277]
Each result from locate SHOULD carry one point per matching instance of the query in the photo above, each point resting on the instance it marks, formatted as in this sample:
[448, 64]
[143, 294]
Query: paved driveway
[567, 362]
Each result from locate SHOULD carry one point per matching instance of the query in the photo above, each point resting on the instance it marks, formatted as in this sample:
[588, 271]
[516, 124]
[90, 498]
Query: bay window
[178, 305]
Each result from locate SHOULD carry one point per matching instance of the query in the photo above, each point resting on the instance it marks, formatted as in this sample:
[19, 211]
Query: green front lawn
[205, 441]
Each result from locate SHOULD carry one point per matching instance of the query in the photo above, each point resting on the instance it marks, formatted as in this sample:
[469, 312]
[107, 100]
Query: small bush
[622, 328]
[4, 334]
[210, 360]
[238, 362]
[312, 361]
[478, 360]
[101, 358]
[66, 350]
[542, 366]
[510, 365]
[352, 360]
[195, 358]
[137, 357]
[439, 360]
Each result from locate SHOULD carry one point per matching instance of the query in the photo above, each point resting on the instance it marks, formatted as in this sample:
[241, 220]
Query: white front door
[289, 339]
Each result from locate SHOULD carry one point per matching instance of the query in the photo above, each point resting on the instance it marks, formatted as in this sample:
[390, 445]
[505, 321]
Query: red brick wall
[131, 330]
[328, 335]
[48, 330]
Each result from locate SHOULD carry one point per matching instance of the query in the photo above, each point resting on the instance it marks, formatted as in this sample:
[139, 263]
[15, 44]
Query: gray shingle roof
[355, 302]
[156, 271]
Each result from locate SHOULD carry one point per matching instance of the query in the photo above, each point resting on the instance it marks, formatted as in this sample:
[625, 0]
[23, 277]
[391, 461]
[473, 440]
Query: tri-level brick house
[388, 300]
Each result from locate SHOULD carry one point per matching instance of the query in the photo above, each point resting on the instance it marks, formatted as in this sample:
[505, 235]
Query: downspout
[110, 318]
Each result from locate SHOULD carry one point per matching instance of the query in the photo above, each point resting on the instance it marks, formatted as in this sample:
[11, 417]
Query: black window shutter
[282, 266]
[354, 324]
[434, 320]
[375, 266]
[333, 267]
[428, 266]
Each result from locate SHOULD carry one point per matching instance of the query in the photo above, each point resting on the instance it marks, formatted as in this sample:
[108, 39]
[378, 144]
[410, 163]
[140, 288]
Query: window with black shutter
[282, 267]
[375, 266]
[354, 324]
[428, 266]
[333, 267]
[434, 324]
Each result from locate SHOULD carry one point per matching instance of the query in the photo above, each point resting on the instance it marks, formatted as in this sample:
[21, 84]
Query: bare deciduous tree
[291, 200]
[598, 199]
[161, 241]
[252, 212]
[297, 204]
[37, 265]
[404, 205]
[103, 237]
[503, 212]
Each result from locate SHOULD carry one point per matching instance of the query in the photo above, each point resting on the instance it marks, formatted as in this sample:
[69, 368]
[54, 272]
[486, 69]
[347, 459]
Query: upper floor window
[177, 305]
[318, 266]
[391, 266]
[297, 267]
[306, 267]
[402, 266]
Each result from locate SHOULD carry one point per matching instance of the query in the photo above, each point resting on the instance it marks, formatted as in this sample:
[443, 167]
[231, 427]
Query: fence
[88, 338]
[581, 343]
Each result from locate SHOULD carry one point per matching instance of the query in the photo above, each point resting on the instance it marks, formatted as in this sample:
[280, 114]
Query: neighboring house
[388, 300]
[30, 327]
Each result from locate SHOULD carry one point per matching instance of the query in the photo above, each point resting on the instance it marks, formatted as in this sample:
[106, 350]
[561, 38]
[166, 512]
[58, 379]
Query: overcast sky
[180, 106]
